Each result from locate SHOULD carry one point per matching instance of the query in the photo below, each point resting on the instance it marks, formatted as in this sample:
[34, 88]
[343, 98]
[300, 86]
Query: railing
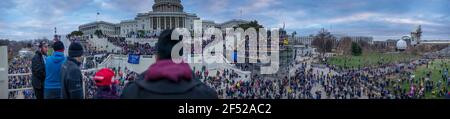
[14, 93]
[107, 60]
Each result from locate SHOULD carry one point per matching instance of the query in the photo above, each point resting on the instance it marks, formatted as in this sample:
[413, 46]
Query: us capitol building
[166, 14]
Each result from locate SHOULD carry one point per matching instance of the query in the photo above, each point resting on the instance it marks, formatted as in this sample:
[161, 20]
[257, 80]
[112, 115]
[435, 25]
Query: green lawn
[49, 52]
[372, 59]
[375, 59]
[421, 72]
[436, 75]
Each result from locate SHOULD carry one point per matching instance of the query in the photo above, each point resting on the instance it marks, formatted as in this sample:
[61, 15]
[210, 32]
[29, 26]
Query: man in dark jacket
[71, 77]
[38, 70]
[166, 79]
[53, 63]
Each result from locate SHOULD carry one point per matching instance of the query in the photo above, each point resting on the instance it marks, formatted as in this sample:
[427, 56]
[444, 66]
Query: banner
[234, 57]
[133, 58]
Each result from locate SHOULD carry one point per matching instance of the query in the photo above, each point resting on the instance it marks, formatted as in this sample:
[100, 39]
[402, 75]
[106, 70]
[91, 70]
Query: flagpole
[241, 14]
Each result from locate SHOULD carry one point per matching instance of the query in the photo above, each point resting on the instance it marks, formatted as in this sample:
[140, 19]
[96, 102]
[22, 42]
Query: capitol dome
[401, 45]
[168, 6]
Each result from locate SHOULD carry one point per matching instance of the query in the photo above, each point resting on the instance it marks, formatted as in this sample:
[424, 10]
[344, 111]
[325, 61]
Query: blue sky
[382, 19]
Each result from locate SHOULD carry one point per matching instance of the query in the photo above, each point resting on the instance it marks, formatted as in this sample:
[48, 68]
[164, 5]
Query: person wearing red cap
[106, 85]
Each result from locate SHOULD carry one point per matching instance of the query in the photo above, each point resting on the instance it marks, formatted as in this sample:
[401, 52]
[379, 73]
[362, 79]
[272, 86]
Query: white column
[4, 91]
[167, 20]
[170, 22]
[174, 22]
[161, 19]
[158, 22]
[183, 20]
[177, 22]
[151, 23]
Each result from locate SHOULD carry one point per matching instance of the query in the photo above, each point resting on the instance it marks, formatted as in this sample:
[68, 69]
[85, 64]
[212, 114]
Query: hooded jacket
[53, 70]
[106, 92]
[71, 80]
[168, 80]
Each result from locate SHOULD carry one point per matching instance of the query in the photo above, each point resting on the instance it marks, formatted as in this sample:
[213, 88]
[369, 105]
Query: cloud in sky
[257, 5]
[30, 19]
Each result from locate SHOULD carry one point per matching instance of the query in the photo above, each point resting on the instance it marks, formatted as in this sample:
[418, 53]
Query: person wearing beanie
[53, 63]
[72, 79]
[106, 85]
[38, 70]
[166, 79]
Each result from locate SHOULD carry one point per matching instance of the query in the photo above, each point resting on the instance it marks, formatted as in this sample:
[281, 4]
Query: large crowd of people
[264, 86]
[19, 82]
[20, 65]
[122, 76]
[364, 83]
[143, 34]
[21, 94]
[143, 49]
[94, 60]
[135, 48]
[310, 81]
[91, 51]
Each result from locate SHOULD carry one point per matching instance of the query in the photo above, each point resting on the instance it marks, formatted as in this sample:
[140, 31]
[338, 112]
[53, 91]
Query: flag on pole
[133, 58]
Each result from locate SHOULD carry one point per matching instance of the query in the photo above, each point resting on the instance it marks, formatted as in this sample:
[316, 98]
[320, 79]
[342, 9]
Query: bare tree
[344, 46]
[324, 41]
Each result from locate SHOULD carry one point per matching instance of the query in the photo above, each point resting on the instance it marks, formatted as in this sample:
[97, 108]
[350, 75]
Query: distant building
[166, 14]
[401, 45]
[106, 28]
[208, 24]
[307, 40]
[379, 44]
[222, 26]
[391, 43]
[232, 23]
[408, 40]
[435, 42]
[302, 40]
[356, 39]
